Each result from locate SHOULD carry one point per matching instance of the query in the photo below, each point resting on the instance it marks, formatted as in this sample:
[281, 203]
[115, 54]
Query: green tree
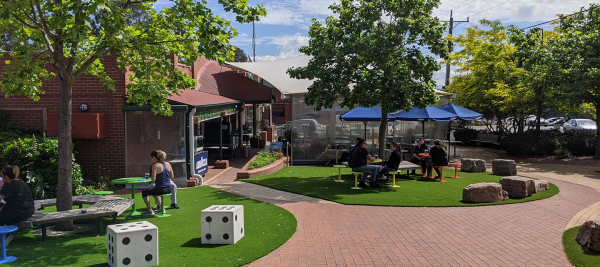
[240, 55]
[373, 53]
[489, 80]
[63, 33]
[579, 53]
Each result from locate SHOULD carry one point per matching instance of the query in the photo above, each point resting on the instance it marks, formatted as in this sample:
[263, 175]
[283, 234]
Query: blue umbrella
[364, 114]
[426, 114]
[460, 112]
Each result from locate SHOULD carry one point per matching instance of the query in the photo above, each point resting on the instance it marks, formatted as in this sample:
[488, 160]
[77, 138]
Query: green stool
[103, 193]
[163, 213]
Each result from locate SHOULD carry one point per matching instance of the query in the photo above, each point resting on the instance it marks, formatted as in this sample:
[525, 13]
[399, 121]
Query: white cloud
[294, 12]
[287, 46]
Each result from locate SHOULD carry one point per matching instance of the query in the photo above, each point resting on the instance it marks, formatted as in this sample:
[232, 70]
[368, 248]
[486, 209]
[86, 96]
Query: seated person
[161, 178]
[416, 159]
[346, 156]
[438, 155]
[360, 155]
[19, 200]
[393, 162]
[173, 190]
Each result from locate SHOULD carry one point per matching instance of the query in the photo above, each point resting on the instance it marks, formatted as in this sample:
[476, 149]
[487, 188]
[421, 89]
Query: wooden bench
[493, 139]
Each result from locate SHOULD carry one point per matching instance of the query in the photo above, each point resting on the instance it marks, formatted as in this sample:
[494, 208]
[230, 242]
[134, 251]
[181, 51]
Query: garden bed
[269, 169]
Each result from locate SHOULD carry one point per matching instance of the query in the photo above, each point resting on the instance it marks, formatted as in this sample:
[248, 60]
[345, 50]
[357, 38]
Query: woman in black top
[16, 193]
[393, 162]
[438, 156]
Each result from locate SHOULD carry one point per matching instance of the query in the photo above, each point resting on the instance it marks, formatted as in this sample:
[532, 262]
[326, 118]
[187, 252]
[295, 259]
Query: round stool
[339, 180]
[5, 230]
[163, 213]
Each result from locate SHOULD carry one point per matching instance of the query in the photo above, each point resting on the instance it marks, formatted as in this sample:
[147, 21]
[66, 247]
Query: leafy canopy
[75, 34]
[374, 52]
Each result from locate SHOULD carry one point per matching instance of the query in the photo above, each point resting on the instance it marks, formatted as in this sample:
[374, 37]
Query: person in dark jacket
[393, 162]
[438, 155]
[19, 200]
[416, 159]
[360, 156]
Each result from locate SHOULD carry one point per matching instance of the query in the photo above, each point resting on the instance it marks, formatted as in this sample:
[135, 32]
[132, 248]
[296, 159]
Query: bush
[552, 142]
[465, 135]
[264, 158]
[38, 161]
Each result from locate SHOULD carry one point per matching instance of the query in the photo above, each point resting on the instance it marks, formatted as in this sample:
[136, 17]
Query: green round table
[132, 181]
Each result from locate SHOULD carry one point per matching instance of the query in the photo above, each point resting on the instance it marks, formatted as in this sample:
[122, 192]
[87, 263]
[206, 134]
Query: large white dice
[132, 244]
[222, 224]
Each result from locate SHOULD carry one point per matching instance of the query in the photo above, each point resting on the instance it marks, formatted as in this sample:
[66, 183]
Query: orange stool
[455, 164]
[441, 172]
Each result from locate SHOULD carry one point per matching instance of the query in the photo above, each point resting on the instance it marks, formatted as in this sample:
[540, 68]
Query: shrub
[38, 161]
[264, 158]
[552, 142]
[465, 135]
[579, 143]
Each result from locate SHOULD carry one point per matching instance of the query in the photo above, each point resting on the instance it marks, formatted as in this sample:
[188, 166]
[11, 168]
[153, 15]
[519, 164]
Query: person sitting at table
[346, 155]
[437, 153]
[419, 149]
[160, 177]
[393, 162]
[19, 200]
[360, 155]
[173, 190]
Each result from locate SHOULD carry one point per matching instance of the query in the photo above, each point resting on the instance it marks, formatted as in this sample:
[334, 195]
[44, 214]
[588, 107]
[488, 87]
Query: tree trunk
[64, 194]
[597, 156]
[382, 131]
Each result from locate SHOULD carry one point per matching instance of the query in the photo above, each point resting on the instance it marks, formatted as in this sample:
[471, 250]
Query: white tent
[274, 72]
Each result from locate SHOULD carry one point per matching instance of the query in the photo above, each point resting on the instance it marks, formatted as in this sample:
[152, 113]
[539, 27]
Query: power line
[456, 7]
[490, 8]
[583, 10]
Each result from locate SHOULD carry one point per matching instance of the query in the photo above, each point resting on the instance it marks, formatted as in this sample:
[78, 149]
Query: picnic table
[132, 181]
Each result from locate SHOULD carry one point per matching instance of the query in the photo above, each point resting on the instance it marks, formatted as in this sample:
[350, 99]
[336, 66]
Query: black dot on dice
[242, 231]
[225, 219]
[126, 261]
[225, 236]
[208, 236]
[148, 257]
[208, 219]
[113, 249]
[148, 238]
[236, 218]
[126, 240]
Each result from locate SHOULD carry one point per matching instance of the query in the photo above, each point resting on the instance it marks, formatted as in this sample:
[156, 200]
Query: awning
[200, 99]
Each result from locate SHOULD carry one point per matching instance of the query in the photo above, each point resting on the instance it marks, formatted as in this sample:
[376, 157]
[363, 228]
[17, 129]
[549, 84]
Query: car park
[531, 120]
[580, 124]
[555, 120]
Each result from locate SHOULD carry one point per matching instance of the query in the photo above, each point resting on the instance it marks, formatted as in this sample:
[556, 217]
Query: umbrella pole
[365, 130]
[423, 133]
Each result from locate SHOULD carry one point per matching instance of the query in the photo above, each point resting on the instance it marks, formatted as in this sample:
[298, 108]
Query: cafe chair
[326, 155]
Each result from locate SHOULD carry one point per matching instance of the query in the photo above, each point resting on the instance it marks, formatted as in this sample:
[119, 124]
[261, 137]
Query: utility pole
[452, 21]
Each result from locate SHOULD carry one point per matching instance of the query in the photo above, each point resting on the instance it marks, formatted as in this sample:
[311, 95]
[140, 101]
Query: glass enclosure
[314, 131]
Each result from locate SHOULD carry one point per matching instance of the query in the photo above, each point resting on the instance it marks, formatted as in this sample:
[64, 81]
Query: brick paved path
[523, 234]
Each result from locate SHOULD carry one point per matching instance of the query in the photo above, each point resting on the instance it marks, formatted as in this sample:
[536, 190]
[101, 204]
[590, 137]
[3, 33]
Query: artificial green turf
[576, 254]
[318, 182]
[266, 228]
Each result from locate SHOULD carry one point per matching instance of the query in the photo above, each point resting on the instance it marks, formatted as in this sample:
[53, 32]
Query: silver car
[580, 124]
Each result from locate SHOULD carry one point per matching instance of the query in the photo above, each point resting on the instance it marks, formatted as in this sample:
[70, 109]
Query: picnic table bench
[408, 166]
[101, 206]
[487, 138]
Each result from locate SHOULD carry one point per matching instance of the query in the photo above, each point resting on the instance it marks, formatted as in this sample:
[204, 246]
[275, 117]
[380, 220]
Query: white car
[580, 124]
[556, 120]
[531, 120]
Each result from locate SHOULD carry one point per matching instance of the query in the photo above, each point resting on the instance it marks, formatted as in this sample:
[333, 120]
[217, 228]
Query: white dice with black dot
[132, 244]
[222, 224]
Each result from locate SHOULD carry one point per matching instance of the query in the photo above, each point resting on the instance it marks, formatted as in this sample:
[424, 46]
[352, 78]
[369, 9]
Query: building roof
[213, 79]
[194, 98]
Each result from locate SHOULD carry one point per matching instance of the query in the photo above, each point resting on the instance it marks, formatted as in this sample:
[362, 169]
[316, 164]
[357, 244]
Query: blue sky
[285, 28]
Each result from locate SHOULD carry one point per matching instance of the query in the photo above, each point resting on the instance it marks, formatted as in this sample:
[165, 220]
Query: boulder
[589, 235]
[504, 167]
[518, 187]
[472, 165]
[484, 192]
[541, 185]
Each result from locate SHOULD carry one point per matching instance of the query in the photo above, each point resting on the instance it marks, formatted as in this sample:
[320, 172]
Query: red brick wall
[142, 138]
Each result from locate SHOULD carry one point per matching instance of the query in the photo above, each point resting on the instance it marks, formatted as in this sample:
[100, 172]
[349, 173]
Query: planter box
[271, 168]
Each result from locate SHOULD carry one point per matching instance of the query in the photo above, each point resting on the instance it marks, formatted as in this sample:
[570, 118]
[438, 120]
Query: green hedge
[551, 142]
[38, 160]
[465, 135]
[264, 158]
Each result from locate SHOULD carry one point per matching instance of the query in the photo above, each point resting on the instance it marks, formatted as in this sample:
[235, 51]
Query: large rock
[589, 235]
[541, 185]
[472, 165]
[518, 187]
[484, 192]
[504, 167]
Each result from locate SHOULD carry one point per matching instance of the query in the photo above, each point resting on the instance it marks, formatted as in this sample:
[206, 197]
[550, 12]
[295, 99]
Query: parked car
[531, 120]
[555, 120]
[580, 124]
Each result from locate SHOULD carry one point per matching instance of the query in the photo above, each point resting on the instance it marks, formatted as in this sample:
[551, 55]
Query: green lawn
[318, 182]
[577, 254]
[266, 228]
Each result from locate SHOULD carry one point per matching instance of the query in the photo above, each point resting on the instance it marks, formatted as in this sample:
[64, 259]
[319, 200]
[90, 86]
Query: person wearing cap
[360, 155]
